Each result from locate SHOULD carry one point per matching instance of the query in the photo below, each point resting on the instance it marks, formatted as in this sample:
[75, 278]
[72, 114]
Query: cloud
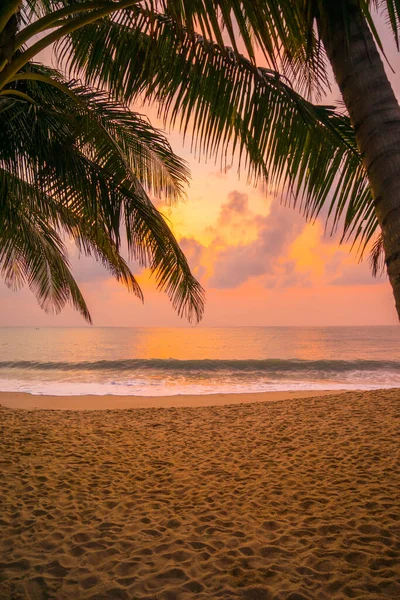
[356, 275]
[235, 223]
[288, 277]
[341, 272]
[237, 205]
[194, 252]
[235, 265]
[244, 245]
[222, 173]
[266, 254]
[86, 269]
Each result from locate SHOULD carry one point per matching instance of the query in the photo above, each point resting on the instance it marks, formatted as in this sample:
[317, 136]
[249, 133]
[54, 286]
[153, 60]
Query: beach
[108, 402]
[290, 499]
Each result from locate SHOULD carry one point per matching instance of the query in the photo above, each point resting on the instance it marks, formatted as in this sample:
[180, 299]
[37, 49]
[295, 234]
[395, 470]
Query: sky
[261, 263]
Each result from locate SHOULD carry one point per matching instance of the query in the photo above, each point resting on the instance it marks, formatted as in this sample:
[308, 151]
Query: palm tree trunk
[375, 116]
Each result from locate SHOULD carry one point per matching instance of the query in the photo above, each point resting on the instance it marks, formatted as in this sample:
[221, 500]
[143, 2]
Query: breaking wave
[267, 366]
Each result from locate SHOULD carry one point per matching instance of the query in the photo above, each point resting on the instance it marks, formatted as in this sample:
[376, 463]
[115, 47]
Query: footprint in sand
[36, 589]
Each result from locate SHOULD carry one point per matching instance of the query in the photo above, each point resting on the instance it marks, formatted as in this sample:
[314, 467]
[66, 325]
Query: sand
[293, 500]
[88, 402]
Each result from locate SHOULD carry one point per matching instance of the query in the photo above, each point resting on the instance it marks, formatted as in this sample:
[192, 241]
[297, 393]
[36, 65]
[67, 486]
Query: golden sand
[88, 402]
[284, 500]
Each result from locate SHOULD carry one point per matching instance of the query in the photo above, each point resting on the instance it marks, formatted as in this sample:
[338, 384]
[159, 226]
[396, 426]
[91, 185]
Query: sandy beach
[290, 500]
[89, 402]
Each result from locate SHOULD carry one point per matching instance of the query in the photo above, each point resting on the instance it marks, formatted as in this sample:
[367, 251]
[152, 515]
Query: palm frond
[377, 257]
[283, 31]
[231, 107]
[32, 252]
[390, 8]
[99, 162]
[280, 29]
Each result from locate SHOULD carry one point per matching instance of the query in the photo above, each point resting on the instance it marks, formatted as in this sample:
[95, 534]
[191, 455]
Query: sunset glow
[260, 262]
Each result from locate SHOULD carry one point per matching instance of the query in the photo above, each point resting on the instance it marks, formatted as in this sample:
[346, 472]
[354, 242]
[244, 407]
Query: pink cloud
[266, 255]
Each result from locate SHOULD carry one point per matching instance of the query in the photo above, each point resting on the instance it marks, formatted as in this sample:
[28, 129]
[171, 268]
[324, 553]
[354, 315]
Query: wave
[209, 365]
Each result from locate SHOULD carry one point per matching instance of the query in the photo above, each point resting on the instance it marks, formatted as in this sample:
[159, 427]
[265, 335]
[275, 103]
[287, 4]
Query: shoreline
[24, 400]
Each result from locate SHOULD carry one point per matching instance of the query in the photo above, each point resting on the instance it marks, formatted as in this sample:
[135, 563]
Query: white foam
[162, 388]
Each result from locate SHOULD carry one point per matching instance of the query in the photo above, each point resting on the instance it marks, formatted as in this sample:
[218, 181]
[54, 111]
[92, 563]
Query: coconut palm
[172, 53]
[300, 39]
[75, 162]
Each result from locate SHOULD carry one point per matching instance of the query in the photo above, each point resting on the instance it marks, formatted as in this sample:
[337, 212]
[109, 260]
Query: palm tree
[231, 104]
[172, 53]
[73, 161]
[300, 38]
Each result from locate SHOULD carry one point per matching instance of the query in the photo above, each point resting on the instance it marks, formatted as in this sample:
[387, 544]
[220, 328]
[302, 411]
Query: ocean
[186, 360]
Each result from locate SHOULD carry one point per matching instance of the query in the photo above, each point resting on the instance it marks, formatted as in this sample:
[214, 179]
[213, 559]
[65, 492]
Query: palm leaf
[231, 108]
[32, 252]
[377, 257]
[278, 29]
[97, 160]
[390, 8]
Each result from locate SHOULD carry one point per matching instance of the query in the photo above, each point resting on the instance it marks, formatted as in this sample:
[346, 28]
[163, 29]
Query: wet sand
[88, 402]
[282, 500]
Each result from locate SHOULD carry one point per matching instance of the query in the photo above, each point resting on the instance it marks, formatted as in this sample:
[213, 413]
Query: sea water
[197, 360]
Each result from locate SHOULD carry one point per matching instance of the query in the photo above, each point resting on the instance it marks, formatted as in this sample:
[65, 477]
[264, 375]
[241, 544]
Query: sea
[197, 360]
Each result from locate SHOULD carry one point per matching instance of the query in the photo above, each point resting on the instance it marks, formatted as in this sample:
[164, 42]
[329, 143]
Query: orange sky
[260, 263]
